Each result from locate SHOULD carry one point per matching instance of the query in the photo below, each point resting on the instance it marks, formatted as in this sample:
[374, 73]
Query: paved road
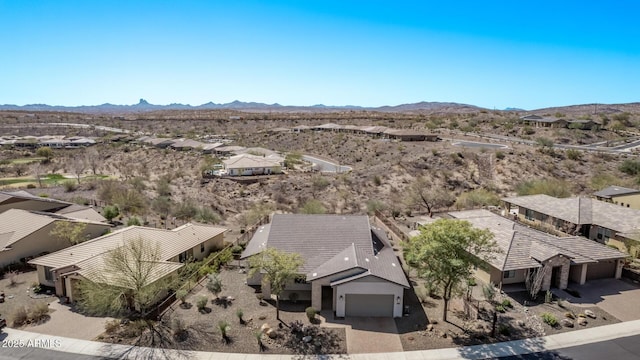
[326, 166]
[626, 348]
[475, 144]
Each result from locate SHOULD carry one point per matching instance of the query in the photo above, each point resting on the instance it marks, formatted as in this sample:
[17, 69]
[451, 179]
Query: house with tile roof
[597, 220]
[619, 195]
[248, 165]
[523, 250]
[349, 266]
[26, 201]
[25, 234]
[63, 268]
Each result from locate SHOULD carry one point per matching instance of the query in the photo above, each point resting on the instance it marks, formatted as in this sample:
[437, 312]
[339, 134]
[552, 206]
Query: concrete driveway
[368, 334]
[617, 297]
[65, 322]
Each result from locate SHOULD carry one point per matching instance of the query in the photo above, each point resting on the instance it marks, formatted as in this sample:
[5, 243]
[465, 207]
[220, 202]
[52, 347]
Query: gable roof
[243, 161]
[16, 224]
[523, 247]
[581, 211]
[612, 191]
[330, 244]
[171, 243]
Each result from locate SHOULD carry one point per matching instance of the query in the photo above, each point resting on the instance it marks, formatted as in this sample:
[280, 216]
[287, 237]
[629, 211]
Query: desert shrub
[240, 314]
[500, 308]
[549, 319]
[201, 303]
[313, 206]
[489, 291]
[477, 197]
[224, 328]
[506, 303]
[110, 212]
[573, 154]
[552, 187]
[374, 205]
[630, 167]
[38, 312]
[179, 328]
[377, 181]
[311, 313]
[69, 185]
[133, 221]
[561, 303]
[111, 326]
[182, 295]
[19, 316]
[504, 330]
[236, 249]
[548, 297]
[422, 294]
[500, 155]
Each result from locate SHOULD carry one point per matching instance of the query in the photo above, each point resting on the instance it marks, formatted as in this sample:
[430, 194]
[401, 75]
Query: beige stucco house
[248, 164]
[349, 267]
[25, 201]
[597, 220]
[619, 195]
[26, 234]
[522, 250]
[190, 241]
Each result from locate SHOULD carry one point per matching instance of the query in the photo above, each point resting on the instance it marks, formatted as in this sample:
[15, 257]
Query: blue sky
[501, 54]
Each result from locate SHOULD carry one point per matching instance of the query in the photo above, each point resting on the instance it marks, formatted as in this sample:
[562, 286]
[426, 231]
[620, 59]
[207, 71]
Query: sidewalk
[553, 342]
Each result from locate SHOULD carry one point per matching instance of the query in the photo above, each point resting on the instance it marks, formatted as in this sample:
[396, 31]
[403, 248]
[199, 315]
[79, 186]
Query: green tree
[278, 269]
[126, 283]
[446, 252]
[68, 231]
[110, 212]
[46, 153]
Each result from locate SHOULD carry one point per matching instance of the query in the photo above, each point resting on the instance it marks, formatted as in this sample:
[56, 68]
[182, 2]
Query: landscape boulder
[590, 314]
[264, 328]
[566, 323]
[582, 321]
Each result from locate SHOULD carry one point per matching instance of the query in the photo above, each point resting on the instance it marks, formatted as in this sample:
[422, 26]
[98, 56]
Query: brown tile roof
[522, 247]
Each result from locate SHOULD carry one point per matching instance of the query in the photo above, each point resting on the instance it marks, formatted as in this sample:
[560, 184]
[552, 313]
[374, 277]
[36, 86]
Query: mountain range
[145, 106]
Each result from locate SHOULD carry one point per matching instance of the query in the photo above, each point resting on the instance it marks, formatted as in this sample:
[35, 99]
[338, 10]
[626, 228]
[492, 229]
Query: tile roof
[15, 224]
[171, 243]
[613, 190]
[523, 247]
[244, 161]
[330, 244]
[579, 210]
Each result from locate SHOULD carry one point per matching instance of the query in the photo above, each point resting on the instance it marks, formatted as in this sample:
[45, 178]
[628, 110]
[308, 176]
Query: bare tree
[93, 159]
[78, 166]
[68, 231]
[424, 194]
[534, 281]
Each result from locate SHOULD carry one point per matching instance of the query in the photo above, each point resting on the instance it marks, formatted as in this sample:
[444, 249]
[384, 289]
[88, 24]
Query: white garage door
[369, 305]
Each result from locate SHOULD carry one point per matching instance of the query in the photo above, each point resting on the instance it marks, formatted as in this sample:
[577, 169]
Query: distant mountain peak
[143, 102]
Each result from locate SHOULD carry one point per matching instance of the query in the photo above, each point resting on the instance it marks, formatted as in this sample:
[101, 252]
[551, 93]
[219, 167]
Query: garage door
[369, 305]
[601, 270]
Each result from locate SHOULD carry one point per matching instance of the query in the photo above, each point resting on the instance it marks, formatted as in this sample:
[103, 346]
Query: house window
[509, 274]
[48, 274]
[183, 257]
[528, 214]
[603, 234]
[202, 247]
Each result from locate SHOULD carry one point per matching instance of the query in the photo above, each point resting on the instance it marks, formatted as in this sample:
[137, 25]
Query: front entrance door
[327, 298]
[555, 276]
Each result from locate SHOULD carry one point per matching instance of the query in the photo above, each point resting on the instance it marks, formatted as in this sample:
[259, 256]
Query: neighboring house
[159, 142]
[190, 241]
[349, 266]
[544, 121]
[523, 249]
[591, 218]
[619, 195]
[409, 135]
[328, 127]
[228, 150]
[300, 128]
[376, 131]
[26, 201]
[186, 145]
[247, 165]
[26, 234]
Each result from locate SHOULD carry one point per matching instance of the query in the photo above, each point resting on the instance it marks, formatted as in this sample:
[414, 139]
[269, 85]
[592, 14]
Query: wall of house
[41, 241]
[488, 275]
[520, 277]
[213, 244]
[565, 264]
[316, 286]
[632, 200]
[373, 287]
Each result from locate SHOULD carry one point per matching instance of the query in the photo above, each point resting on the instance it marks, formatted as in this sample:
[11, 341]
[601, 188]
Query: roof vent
[393, 264]
[346, 258]
[314, 274]
[366, 259]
